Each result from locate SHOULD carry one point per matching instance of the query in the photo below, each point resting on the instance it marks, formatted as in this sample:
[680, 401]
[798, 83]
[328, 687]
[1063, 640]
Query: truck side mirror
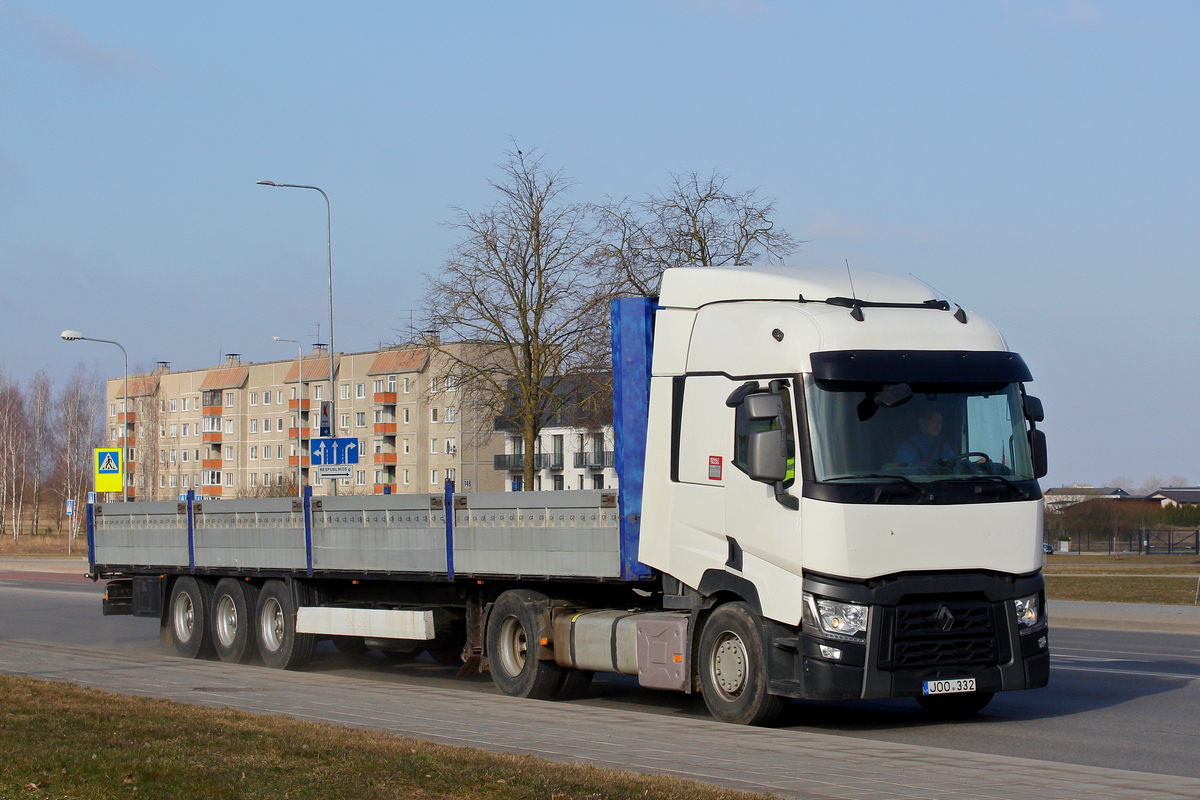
[1037, 452]
[766, 456]
[1033, 409]
[763, 406]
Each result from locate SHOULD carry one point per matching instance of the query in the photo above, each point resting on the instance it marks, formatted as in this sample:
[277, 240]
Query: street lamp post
[299, 413]
[329, 252]
[76, 336]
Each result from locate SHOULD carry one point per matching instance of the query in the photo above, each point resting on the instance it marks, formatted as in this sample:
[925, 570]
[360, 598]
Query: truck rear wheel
[513, 630]
[278, 643]
[733, 675]
[234, 604]
[191, 605]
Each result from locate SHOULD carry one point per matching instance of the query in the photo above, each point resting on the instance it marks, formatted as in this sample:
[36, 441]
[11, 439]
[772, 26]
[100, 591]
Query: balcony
[304, 433]
[210, 491]
[509, 462]
[549, 461]
[212, 463]
[211, 411]
[385, 398]
[385, 458]
[595, 460]
[127, 417]
[298, 405]
[212, 437]
[386, 428]
[379, 487]
[293, 459]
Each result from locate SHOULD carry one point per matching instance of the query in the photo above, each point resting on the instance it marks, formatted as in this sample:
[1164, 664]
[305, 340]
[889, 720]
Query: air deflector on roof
[920, 366]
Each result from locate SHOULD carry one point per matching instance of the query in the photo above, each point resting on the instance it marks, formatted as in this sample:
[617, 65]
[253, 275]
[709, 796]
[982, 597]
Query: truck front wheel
[191, 605]
[513, 631]
[733, 675]
[278, 643]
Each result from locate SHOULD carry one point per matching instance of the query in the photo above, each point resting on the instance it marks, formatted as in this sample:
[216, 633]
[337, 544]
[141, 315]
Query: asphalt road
[1116, 699]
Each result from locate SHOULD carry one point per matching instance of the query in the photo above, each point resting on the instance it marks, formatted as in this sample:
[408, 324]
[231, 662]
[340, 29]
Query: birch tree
[39, 409]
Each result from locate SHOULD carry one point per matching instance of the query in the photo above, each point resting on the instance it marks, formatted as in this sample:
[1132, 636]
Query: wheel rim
[272, 624]
[185, 617]
[728, 665]
[226, 619]
[514, 645]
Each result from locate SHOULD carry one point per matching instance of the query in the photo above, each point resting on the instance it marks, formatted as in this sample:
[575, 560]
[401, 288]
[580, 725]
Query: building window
[213, 477]
[279, 451]
[253, 453]
[344, 391]
[172, 404]
[174, 430]
[344, 421]
[558, 483]
[279, 424]
[379, 445]
[229, 452]
[266, 452]
[451, 448]
[406, 477]
[433, 477]
[597, 481]
[292, 395]
[433, 383]
[451, 414]
[229, 399]
[360, 419]
[174, 481]
[406, 447]
[266, 425]
[378, 385]
[185, 455]
[185, 429]
[229, 479]
[450, 474]
[360, 477]
[254, 398]
[267, 398]
[378, 416]
[186, 481]
[433, 446]
[405, 417]
[112, 408]
[266, 479]
[360, 390]
[379, 476]
[253, 479]
[451, 383]
[391, 383]
[254, 425]
[407, 383]
[173, 455]
[318, 392]
[229, 426]
[433, 415]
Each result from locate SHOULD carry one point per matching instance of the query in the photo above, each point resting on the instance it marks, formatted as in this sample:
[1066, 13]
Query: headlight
[844, 621]
[1029, 613]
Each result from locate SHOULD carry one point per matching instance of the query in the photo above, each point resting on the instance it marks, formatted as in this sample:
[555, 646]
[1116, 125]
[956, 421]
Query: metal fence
[1148, 541]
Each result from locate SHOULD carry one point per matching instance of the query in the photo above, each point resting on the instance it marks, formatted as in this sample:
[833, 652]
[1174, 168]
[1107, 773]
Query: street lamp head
[265, 183]
[71, 336]
[276, 338]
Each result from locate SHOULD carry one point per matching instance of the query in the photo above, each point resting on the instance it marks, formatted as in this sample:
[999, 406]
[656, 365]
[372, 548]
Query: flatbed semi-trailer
[791, 522]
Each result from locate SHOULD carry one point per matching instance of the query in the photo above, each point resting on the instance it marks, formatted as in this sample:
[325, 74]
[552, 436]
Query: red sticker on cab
[714, 468]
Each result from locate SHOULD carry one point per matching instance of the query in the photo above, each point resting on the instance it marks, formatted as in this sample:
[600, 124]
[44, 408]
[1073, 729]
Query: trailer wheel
[233, 620]
[191, 605]
[955, 706]
[733, 675]
[278, 643]
[512, 638]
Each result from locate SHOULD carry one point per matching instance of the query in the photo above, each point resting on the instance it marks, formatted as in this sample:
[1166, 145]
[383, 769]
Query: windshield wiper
[1010, 484]
[915, 486]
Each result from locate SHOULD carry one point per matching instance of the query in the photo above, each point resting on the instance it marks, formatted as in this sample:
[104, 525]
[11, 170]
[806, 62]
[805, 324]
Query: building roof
[316, 368]
[392, 361]
[139, 386]
[1183, 495]
[1088, 491]
[228, 378]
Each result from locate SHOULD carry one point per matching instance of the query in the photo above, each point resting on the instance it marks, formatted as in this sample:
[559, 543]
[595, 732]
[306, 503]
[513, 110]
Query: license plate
[954, 686]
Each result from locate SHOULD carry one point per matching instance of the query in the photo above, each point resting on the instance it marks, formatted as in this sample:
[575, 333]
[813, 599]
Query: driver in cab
[926, 444]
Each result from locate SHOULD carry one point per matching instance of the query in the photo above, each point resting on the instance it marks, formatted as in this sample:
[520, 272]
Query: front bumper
[908, 643]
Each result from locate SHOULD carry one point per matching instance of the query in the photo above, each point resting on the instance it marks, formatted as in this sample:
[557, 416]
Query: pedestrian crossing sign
[108, 469]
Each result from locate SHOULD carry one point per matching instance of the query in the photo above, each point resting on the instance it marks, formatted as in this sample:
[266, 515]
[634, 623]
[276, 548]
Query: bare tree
[78, 426]
[516, 302]
[39, 409]
[14, 443]
[696, 221]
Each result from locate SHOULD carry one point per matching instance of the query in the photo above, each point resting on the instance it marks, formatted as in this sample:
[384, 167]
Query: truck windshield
[916, 432]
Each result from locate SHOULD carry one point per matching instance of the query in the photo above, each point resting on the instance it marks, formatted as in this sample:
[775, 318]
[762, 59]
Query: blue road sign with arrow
[327, 452]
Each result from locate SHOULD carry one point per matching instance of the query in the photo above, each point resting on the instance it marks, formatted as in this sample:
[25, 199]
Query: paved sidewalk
[789, 763]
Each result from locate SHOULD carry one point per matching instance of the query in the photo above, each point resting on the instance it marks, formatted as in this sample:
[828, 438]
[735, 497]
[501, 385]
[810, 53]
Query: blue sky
[1035, 161]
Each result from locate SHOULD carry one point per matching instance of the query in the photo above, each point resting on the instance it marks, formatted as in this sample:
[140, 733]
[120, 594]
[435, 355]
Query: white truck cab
[857, 463]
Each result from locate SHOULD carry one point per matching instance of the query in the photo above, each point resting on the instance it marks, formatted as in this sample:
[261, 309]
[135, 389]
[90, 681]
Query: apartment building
[244, 429]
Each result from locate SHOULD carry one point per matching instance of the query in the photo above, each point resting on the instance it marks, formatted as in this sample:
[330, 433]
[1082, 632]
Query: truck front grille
[945, 634]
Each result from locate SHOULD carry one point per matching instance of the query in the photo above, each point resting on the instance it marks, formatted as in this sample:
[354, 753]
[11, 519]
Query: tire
[188, 615]
[278, 643]
[233, 607]
[513, 626]
[732, 662]
[575, 684]
[955, 706]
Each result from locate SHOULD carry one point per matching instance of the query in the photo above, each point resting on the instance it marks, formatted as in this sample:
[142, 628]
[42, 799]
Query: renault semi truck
[828, 490]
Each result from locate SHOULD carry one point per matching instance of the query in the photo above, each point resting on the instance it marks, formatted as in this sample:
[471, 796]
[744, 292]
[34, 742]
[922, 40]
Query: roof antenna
[857, 311]
[959, 315]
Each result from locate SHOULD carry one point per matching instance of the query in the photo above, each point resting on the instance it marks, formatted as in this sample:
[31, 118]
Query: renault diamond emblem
[945, 619]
